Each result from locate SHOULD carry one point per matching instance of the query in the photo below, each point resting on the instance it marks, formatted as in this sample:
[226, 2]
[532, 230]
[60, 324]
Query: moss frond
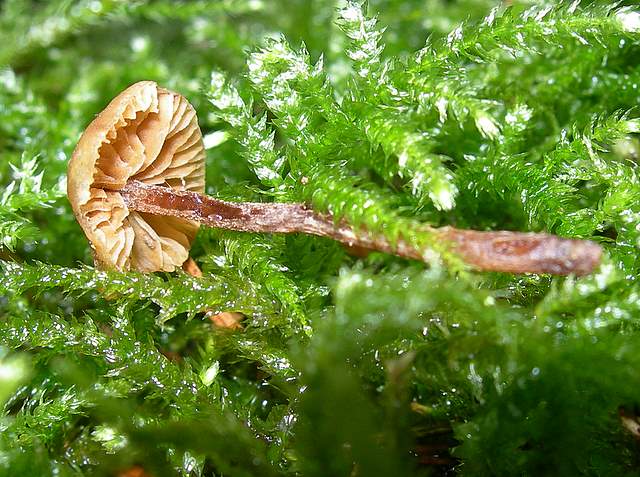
[396, 117]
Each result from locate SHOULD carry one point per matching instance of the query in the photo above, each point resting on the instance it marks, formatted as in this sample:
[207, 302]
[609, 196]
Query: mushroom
[147, 134]
[136, 183]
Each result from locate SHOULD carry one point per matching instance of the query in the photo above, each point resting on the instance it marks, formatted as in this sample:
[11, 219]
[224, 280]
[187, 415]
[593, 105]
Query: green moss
[389, 116]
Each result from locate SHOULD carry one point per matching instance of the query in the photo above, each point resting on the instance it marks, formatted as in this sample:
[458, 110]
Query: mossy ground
[470, 113]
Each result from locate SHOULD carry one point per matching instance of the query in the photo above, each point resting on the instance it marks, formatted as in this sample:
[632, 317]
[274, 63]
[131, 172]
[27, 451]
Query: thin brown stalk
[501, 251]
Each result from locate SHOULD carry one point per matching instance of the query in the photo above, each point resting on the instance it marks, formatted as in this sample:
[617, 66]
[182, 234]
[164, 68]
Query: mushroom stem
[487, 251]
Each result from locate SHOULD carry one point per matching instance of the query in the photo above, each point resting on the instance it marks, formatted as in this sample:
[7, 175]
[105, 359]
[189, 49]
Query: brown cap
[147, 134]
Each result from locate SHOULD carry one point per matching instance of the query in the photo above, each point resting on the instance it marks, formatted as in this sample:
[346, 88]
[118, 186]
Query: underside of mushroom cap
[151, 135]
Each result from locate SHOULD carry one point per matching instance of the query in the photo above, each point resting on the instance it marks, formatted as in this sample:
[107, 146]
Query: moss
[391, 115]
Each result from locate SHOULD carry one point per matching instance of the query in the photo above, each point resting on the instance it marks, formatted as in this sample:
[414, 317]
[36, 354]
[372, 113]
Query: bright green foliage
[257, 141]
[18, 198]
[391, 116]
[385, 120]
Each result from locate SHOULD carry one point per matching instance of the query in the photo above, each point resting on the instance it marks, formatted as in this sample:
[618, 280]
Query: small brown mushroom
[136, 178]
[147, 134]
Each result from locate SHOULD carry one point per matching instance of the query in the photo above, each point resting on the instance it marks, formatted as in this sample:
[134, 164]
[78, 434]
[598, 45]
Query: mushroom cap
[149, 134]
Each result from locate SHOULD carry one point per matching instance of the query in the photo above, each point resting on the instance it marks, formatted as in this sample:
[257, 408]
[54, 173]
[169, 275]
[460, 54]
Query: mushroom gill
[147, 134]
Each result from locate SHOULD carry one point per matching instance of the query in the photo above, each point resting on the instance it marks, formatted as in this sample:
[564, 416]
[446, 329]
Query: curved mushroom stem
[488, 251]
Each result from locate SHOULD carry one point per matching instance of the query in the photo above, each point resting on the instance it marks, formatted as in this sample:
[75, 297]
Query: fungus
[136, 180]
[146, 134]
